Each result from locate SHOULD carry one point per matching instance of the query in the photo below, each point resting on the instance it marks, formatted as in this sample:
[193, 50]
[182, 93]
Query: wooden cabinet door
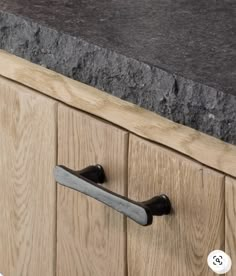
[27, 187]
[230, 222]
[177, 244]
[91, 237]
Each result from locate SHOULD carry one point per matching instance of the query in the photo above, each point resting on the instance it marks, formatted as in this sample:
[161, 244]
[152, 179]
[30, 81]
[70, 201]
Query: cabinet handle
[85, 181]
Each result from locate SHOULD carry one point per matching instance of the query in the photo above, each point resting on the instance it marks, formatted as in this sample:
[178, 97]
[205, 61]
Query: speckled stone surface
[176, 58]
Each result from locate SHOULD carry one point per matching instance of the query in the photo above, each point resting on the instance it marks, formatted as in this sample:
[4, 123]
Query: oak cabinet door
[27, 186]
[177, 244]
[230, 222]
[91, 237]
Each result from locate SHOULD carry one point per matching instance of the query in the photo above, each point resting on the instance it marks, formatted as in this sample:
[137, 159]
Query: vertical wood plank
[27, 187]
[180, 243]
[91, 237]
[230, 222]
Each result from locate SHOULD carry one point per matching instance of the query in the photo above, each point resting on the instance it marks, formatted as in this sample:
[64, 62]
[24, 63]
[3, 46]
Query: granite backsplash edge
[176, 98]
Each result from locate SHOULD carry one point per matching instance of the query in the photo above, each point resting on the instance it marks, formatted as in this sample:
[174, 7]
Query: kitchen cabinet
[27, 187]
[49, 229]
[90, 235]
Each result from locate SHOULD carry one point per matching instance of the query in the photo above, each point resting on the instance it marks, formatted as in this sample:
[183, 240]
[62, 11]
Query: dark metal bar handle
[85, 181]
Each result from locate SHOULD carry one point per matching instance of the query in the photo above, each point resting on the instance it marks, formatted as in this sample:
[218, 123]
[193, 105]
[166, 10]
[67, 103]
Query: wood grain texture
[28, 189]
[201, 147]
[230, 222]
[91, 236]
[178, 244]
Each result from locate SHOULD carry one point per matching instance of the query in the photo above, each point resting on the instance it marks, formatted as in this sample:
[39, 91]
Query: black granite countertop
[176, 58]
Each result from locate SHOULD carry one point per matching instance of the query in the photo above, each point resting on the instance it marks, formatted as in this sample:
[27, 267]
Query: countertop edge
[181, 100]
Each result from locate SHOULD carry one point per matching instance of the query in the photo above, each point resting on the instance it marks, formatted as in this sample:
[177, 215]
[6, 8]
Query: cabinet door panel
[230, 222]
[178, 244]
[27, 187]
[91, 237]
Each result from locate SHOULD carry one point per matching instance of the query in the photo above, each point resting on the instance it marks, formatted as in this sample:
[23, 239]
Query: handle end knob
[159, 205]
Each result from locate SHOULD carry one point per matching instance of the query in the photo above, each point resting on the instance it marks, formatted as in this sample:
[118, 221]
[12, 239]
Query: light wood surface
[230, 222]
[180, 243]
[27, 186]
[91, 236]
[203, 148]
